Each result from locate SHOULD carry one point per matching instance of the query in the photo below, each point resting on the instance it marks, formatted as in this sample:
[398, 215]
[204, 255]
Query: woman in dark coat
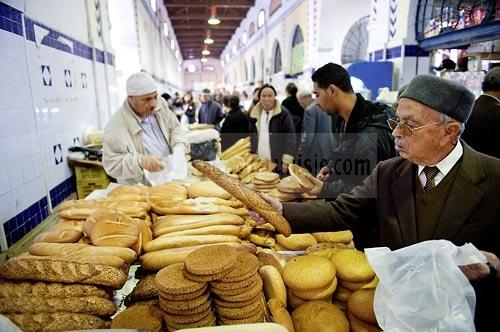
[235, 125]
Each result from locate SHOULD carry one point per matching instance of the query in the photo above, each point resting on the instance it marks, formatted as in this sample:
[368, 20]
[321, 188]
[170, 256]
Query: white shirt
[444, 165]
[264, 145]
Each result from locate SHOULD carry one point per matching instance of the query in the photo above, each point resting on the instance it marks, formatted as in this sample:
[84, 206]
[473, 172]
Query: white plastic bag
[422, 289]
[175, 168]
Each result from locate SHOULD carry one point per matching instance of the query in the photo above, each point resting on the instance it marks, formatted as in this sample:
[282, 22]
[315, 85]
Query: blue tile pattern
[110, 59]
[18, 226]
[10, 19]
[82, 50]
[62, 190]
[378, 55]
[415, 50]
[394, 52]
[99, 56]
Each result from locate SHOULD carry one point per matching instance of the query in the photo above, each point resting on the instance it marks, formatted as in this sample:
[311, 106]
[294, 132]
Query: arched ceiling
[189, 21]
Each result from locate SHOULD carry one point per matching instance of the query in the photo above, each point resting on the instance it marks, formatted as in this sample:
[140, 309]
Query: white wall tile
[5, 123]
[15, 174]
[14, 68]
[7, 206]
[20, 199]
[34, 143]
[23, 146]
[9, 150]
[25, 120]
[15, 43]
[37, 164]
[28, 169]
[34, 190]
[4, 180]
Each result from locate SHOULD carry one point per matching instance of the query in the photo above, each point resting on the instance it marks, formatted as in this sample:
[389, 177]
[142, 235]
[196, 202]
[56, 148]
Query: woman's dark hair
[291, 88]
[234, 102]
[267, 86]
[332, 73]
[225, 101]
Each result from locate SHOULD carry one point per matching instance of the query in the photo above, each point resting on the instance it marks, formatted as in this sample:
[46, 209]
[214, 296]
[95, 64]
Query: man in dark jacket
[210, 111]
[483, 127]
[293, 106]
[439, 188]
[365, 137]
[235, 125]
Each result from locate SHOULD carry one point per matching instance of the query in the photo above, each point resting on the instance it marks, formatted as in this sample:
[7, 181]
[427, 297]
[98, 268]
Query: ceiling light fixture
[213, 20]
[209, 39]
[205, 51]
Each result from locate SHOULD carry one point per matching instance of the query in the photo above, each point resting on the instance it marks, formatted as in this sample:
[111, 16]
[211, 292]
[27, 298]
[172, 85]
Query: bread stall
[183, 255]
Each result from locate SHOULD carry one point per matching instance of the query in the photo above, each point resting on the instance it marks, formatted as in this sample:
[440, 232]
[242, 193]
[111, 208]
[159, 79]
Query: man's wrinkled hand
[480, 270]
[323, 174]
[277, 206]
[151, 163]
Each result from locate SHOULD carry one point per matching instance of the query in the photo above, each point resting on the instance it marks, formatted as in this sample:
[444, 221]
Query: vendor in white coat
[141, 133]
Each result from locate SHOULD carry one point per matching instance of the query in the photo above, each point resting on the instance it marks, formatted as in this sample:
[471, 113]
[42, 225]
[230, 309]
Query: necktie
[430, 173]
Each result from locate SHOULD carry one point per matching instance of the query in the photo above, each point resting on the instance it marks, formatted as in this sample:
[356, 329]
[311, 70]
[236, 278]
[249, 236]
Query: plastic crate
[88, 174]
[84, 188]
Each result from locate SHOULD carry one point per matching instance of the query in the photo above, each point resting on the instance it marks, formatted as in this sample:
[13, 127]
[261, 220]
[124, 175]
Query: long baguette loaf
[186, 241]
[214, 201]
[95, 259]
[80, 250]
[182, 219]
[240, 231]
[157, 260]
[93, 305]
[49, 290]
[202, 209]
[59, 321]
[161, 228]
[249, 197]
[113, 202]
[59, 236]
[57, 270]
[83, 213]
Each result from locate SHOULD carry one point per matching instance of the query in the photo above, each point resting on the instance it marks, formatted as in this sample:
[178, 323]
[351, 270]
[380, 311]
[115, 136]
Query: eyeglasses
[406, 129]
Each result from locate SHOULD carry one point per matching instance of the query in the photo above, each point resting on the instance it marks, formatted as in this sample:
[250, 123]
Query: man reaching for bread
[141, 133]
[439, 188]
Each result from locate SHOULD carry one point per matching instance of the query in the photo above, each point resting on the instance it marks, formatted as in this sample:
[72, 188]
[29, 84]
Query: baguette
[175, 220]
[240, 231]
[59, 236]
[49, 290]
[249, 197]
[164, 229]
[203, 209]
[80, 250]
[186, 241]
[95, 259]
[344, 237]
[84, 213]
[109, 203]
[129, 189]
[58, 270]
[212, 200]
[296, 241]
[93, 305]
[59, 321]
[274, 286]
[68, 224]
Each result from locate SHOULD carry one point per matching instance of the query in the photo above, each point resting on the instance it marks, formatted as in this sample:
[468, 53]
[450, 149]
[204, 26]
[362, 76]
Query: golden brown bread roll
[249, 197]
[59, 236]
[234, 203]
[300, 174]
[296, 241]
[178, 223]
[360, 303]
[334, 237]
[274, 287]
[207, 189]
[112, 229]
[319, 316]
[80, 250]
[141, 317]
[280, 315]
[64, 224]
[203, 209]
[127, 190]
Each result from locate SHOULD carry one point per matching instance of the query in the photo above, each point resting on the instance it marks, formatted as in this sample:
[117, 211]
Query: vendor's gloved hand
[277, 206]
[324, 173]
[151, 163]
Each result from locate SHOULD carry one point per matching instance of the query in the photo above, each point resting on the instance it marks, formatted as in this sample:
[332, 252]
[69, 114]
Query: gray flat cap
[443, 95]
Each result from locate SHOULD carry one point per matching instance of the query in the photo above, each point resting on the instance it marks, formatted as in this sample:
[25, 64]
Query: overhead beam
[204, 3]
[178, 17]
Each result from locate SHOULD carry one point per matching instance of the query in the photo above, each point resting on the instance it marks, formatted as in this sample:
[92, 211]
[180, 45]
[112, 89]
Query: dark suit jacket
[482, 131]
[381, 212]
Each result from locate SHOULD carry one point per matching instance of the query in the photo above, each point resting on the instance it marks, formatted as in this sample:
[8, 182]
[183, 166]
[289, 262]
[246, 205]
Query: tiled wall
[47, 102]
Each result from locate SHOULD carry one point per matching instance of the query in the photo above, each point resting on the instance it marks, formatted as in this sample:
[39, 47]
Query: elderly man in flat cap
[141, 133]
[439, 188]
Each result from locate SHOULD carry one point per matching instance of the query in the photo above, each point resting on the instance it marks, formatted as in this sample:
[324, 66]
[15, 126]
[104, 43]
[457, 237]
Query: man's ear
[452, 129]
[333, 90]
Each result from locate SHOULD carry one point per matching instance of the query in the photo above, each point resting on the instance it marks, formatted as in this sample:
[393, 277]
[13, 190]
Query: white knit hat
[140, 84]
